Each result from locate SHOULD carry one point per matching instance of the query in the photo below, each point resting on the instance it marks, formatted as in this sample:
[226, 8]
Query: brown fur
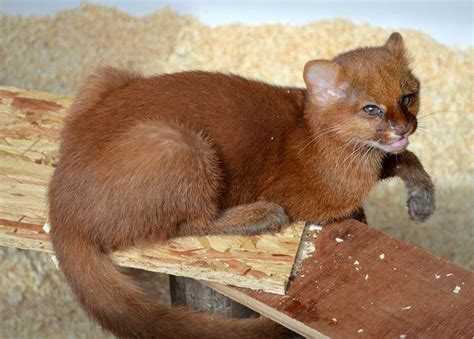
[146, 159]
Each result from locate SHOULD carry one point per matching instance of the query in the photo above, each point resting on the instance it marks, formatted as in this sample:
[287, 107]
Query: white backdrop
[449, 22]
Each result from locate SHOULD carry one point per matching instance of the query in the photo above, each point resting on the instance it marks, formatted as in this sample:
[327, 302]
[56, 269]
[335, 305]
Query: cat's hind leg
[175, 183]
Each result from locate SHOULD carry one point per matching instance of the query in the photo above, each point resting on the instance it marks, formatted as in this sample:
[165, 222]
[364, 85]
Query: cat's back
[207, 100]
[231, 110]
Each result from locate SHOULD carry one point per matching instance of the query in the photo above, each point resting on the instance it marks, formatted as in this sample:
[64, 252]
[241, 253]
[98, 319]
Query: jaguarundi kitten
[143, 160]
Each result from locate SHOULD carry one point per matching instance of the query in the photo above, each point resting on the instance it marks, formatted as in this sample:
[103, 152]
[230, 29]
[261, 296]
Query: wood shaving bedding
[51, 54]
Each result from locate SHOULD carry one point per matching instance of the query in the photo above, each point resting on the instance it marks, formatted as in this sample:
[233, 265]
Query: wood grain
[30, 129]
[369, 285]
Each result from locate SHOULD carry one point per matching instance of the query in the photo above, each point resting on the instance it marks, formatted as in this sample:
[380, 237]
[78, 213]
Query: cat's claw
[421, 204]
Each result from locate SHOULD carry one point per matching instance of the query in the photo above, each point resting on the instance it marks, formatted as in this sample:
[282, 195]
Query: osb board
[370, 285]
[30, 125]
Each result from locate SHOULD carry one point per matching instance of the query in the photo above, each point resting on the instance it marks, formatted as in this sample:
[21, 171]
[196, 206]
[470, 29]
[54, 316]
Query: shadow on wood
[192, 293]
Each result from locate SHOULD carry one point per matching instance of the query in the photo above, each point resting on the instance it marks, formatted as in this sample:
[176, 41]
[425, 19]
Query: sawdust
[51, 53]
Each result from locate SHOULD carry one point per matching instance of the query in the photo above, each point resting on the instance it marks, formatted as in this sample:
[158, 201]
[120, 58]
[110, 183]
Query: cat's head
[368, 95]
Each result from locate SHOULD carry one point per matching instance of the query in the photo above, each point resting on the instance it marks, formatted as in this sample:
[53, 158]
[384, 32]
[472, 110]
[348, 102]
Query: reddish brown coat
[146, 159]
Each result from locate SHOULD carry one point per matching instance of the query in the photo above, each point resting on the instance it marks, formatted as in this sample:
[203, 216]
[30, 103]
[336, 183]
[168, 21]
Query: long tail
[120, 307]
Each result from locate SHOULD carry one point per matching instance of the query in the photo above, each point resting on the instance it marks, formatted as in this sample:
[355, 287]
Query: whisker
[316, 137]
[431, 106]
[423, 126]
[424, 116]
[341, 163]
[312, 137]
[366, 155]
[423, 122]
[353, 155]
[371, 148]
[342, 148]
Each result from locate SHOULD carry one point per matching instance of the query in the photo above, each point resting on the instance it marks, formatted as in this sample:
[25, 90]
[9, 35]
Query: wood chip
[47, 227]
[306, 249]
[55, 261]
[314, 227]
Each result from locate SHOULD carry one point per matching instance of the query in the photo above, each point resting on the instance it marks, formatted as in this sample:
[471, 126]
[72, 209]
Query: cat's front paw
[276, 219]
[421, 204]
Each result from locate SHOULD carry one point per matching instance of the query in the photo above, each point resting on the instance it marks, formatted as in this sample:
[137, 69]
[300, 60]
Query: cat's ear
[395, 43]
[326, 81]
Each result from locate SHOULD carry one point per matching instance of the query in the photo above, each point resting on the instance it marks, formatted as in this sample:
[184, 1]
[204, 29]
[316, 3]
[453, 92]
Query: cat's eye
[373, 110]
[407, 100]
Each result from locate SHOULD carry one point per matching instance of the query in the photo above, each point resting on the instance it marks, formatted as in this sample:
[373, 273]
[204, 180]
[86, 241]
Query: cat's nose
[401, 129]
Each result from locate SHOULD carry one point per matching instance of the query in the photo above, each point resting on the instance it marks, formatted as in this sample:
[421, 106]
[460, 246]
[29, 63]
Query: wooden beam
[31, 122]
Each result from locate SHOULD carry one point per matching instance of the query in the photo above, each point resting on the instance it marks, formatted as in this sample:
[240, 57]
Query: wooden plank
[30, 124]
[372, 285]
[261, 262]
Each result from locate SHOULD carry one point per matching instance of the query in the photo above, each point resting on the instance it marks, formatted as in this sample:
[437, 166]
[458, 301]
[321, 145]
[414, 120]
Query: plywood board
[370, 285]
[30, 124]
